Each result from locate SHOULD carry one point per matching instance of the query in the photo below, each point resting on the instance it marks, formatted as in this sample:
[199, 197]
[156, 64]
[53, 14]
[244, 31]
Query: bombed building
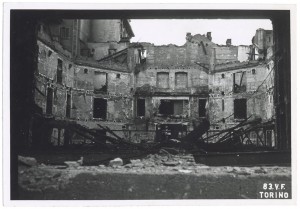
[240, 90]
[96, 116]
[90, 73]
[71, 82]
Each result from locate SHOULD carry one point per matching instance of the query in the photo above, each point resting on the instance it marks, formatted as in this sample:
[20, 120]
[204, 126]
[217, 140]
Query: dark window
[223, 105]
[202, 109]
[68, 106]
[49, 103]
[163, 80]
[118, 75]
[172, 107]
[140, 107]
[240, 108]
[223, 75]
[86, 71]
[49, 53]
[64, 33]
[70, 66]
[100, 108]
[166, 107]
[59, 71]
[181, 80]
[253, 71]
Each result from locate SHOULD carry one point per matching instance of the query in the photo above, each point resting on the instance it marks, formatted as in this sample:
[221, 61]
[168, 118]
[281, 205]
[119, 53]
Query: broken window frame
[103, 89]
[239, 87]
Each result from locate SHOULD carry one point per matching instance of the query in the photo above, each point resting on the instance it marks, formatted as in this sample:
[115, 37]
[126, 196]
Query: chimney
[208, 35]
[228, 42]
[188, 36]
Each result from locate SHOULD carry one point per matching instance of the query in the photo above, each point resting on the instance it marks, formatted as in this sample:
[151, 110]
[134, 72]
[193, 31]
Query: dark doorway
[49, 103]
[100, 108]
[240, 108]
[68, 107]
[202, 110]
[140, 107]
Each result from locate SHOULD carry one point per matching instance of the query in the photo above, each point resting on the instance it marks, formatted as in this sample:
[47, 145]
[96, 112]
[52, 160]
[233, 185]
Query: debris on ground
[116, 162]
[28, 161]
[72, 164]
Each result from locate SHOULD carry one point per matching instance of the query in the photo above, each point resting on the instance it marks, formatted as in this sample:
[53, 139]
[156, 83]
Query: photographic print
[150, 104]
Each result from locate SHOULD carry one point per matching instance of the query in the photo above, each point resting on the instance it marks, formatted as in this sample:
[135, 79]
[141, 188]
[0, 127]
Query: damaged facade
[89, 72]
[72, 85]
[239, 90]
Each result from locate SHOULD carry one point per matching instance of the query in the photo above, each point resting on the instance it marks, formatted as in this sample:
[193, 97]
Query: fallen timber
[230, 139]
[229, 144]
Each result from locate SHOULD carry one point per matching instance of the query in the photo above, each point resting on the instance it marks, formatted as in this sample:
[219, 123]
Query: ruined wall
[117, 93]
[101, 50]
[225, 54]
[243, 53]
[171, 73]
[55, 29]
[252, 78]
[171, 56]
[100, 36]
[119, 83]
[263, 38]
[82, 105]
[46, 77]
[119, 109]
[258, 93]
[79, 82]
[197, 80]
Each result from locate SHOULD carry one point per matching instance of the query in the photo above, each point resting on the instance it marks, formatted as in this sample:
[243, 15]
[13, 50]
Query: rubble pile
[48, 181]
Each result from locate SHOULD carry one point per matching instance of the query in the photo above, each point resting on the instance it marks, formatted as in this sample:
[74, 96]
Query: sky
[173, 31]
